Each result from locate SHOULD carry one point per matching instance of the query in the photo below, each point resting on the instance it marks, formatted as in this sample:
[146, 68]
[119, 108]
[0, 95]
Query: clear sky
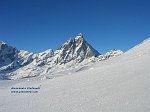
[36, 25]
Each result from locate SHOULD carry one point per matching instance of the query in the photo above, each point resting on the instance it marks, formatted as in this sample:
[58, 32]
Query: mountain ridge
[75, 51]
[120, 84]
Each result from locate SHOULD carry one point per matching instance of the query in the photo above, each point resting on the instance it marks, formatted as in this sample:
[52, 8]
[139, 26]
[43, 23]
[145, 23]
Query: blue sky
[36, 25]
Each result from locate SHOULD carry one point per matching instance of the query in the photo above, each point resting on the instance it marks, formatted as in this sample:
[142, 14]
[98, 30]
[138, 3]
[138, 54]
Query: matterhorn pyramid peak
[79, 36]
[76, 48]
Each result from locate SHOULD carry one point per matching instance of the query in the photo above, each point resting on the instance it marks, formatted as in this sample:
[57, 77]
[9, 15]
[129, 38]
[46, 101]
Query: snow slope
[18, 64]
[120, 84]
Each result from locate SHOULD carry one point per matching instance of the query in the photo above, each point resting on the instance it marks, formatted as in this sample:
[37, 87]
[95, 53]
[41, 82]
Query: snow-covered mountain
[11, 58]
[76, 49]
[119, 84]
[7, 54]
[110, 54]
[16, 64]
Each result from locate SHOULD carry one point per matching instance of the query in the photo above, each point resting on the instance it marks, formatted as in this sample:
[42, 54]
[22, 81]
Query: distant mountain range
[16, 64]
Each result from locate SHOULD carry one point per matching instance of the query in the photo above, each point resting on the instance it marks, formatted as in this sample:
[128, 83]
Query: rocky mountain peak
[1, 42]
[76, 49]
[79, 36]
[20, 63]
[7, 54]
[2, 45]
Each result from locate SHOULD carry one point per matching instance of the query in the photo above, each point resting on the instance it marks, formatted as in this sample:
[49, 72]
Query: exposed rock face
[76, 49]
[7, 54]
[112, 53]
[44, 58]
[16, 64]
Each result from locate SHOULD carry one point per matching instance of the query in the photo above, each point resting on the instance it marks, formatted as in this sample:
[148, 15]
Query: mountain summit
[7, 54]
[75, 52]
[76, 49]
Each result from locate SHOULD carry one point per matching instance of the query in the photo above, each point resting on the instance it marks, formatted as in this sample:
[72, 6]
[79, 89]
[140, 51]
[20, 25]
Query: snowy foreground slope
[120, 84]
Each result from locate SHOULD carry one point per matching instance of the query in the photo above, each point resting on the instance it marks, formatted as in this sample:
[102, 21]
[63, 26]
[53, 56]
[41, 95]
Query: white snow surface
[120, 84]
[23, 64]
